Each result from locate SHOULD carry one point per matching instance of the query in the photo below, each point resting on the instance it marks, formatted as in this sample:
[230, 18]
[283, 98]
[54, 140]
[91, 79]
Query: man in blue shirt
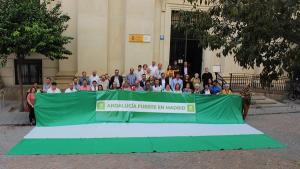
[175, 81]
[215, 89]
[131, 77]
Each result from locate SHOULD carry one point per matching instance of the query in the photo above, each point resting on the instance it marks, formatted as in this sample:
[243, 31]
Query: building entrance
[184, 47]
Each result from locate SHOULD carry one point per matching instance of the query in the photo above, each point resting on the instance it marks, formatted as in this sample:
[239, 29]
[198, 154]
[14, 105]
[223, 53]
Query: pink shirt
[85, 88]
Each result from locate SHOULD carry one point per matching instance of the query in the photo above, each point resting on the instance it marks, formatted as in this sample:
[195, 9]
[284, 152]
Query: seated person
[100, 87]
[126, 86]
[156, 87]
[85, 86]
[94, 86]
[53, 88]
[148, 86]
[167, 88]
[71, 89]
[226, 89]
[197, 88]
[206, 90]
[177, 88]
[215, 88]
[187, 88]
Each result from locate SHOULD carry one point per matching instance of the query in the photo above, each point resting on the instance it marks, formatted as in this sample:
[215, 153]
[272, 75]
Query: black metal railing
[238, 81]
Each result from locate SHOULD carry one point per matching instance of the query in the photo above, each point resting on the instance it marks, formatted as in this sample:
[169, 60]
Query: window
[31, 71]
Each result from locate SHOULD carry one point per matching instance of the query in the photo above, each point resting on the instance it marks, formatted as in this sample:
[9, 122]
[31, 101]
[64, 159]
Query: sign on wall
[140, 38]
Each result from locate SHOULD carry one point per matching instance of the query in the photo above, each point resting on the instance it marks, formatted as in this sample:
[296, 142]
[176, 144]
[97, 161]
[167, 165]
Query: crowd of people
[152, 78]
[145, 78]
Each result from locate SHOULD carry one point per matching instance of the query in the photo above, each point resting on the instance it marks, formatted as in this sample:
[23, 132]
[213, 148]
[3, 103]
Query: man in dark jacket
[143, 81]
[117, 79]
[163, 81]
[206, 76]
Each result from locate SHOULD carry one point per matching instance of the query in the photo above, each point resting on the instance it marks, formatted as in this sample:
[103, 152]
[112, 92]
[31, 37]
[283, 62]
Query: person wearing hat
[226, 89]
[215, 89]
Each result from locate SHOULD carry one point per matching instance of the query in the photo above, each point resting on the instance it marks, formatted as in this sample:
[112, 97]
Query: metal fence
[238, 81]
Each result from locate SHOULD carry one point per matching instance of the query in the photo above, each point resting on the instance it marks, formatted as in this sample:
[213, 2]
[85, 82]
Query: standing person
[85, 86]
[76, 83]
[94, 77]
[206, 76]
[139, 72]
[163, 81]
[131, 77]
[156, 87]
[83, 77]
[71, 89]
[176, 68]
[104, 82]
[145, 67]
[30, 102]
[246, 94]
[47, 84]
[186, 69]
[153, 68]
[143, 81]
[159, 71]
[53, 88]
[196, 80]
[175, 81]
[94, 86]
[148, 73]
[114, 86]
[187, 80]
[170, 72]
[118, 79]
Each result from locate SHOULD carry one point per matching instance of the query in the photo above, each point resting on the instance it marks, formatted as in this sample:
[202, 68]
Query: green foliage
[256, 32]
[31, 26]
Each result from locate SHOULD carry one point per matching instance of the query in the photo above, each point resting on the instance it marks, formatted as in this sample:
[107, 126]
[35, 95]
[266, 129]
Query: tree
[256, 32]
[31, 26]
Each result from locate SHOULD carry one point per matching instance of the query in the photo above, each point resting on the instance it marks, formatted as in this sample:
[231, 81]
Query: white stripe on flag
[114, 130]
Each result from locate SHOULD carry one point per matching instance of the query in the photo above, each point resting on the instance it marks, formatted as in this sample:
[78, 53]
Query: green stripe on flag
[142, 145]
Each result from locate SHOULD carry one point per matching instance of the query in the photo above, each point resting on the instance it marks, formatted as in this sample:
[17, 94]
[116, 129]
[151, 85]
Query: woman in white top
[177, 88]
[167, 88]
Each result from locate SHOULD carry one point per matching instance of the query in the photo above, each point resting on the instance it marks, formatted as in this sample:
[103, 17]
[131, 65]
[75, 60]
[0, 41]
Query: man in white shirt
[71, 89]
[53, 88]
[156, 87]
[94, 86]
[94, 77]
[139, 73]
[159, 71]
[104, 82]
[153, 69]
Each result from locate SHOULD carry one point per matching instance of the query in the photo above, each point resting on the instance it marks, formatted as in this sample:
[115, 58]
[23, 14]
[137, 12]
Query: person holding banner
[30, 102]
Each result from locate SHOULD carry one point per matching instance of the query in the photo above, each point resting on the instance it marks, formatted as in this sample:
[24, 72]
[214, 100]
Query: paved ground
[284, 126]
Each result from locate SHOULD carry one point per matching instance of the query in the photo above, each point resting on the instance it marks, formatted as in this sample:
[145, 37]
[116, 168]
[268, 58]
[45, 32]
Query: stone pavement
[10, 114]
[263, 105]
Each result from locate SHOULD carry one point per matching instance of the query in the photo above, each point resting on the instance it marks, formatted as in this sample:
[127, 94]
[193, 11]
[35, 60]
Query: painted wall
[100, 29]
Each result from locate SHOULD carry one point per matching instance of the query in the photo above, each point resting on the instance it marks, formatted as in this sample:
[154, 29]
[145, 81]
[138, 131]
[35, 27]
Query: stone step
[265, 101]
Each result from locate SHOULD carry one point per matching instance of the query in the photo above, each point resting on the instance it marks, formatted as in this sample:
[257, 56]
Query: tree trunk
[20, 59]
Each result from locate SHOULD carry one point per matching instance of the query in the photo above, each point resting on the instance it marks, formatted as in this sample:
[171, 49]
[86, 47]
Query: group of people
[146, 78]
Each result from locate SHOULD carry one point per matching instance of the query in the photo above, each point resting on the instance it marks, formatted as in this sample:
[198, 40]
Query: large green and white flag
[125, 122]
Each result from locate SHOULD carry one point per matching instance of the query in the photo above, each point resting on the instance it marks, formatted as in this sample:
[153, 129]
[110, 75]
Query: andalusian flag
[126, 122]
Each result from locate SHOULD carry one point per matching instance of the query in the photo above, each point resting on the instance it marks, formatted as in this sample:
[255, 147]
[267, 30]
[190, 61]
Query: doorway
[184, 47]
